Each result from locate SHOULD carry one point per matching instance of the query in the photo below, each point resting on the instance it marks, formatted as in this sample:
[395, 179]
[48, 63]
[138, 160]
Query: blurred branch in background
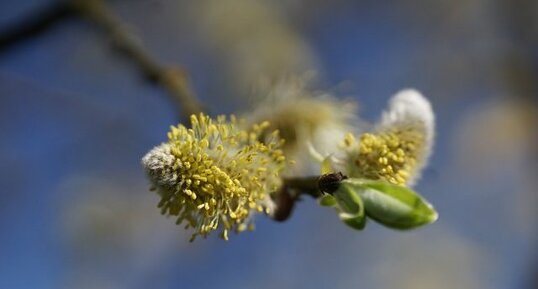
[173, 79]
[34, 24]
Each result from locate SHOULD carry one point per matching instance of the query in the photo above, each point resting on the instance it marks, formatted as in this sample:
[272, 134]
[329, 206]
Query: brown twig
[173, 79]
[289, 193]
[293, 188]
[34, 24]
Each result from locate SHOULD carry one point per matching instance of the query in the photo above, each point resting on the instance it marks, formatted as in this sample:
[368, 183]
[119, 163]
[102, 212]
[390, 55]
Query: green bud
[392, 205]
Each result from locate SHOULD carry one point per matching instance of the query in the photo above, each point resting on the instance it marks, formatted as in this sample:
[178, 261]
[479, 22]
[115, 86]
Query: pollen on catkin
[389, 156]
[399, 148]
[214, 174]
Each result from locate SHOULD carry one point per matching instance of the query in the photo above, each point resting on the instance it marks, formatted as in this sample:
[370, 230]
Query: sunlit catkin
[216, 173]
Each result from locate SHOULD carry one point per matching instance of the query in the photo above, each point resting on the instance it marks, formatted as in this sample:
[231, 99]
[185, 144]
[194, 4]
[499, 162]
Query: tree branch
[293, 188]
[173, 79]
[289, 193]
[34, 24]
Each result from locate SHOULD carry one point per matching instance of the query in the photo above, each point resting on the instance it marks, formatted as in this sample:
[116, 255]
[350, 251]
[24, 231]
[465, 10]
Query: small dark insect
[329, 183]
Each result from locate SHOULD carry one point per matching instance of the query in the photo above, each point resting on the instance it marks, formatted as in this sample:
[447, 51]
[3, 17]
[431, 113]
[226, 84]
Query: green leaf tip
[327, 201]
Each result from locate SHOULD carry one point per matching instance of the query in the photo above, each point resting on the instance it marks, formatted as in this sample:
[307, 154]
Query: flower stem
[304, 185]
[289, 193]
[293, 188]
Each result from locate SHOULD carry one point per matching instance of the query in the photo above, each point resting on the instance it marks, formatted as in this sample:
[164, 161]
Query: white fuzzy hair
[409, 109]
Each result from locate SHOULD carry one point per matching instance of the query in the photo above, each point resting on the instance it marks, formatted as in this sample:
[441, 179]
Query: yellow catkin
[389, 155]
[224, 172]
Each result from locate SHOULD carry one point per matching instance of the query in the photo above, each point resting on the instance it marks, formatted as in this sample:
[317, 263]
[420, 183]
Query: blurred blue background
[75, 119]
